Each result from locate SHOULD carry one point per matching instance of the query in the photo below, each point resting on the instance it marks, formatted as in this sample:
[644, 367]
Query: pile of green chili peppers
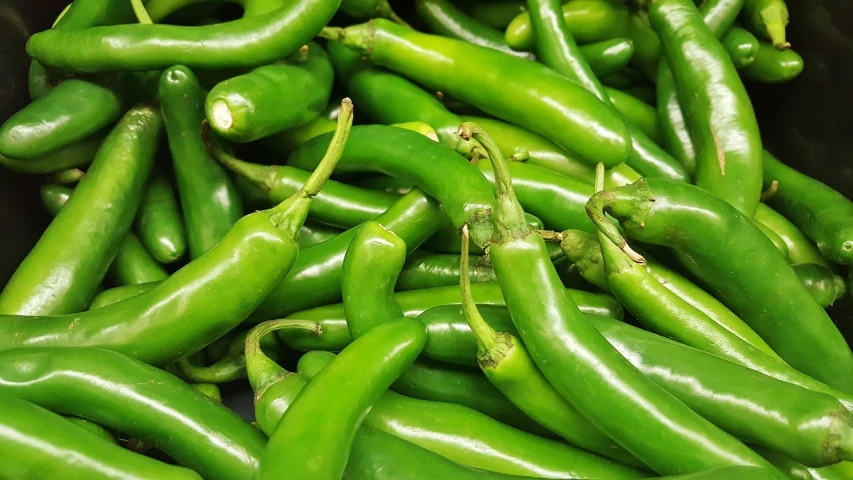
[552, 245]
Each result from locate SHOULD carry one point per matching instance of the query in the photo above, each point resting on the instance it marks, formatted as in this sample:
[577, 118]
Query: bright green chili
[209, 200]
[66, 266]
[589, 21]
[543, 101]
[773, 66]
[158, 221]
[800, 248]
[824, 286]
[751, 278]
[741, 46]
[247, 42]
[579, 362]
[429, 270]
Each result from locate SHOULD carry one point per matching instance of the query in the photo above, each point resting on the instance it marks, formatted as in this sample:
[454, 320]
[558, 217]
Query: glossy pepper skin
[584, 250]
[314, 437]
[741, 45]
[371, 267]
[773, 66]
[132, 264]
[247, 42]
[565, 114]
[441, 173]
[158, 221]
[800, 248]
[824, 286]
[209, 202]
[558, 50]
[429, 270]
[70, 112]
[66, 266]
[40, 444]
[753, 279]
[728, 143]
[77, 154]
[822, 213]
[507, 364]
[137, 400]
[377, 455]
[589, 21]
[200, 302]
[271, 98]
[117, 294]
[443, 18]
[768, 18]
[389, 98]
[580, 364]
[316, 276]
[473, 439]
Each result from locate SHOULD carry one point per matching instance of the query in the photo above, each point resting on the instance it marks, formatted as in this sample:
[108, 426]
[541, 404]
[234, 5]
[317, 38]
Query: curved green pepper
[66, 266]
[209, 200]
[120, 293]
[824, 286]
[589, 21]
[773, 66]
[38, 443]
[752, 279]
[543, 102]
[158, 221]
[800, 248]
[580, 364]
[314, 437]
[77, 154]
[263, 243]
[430, 270]
[132, 263]
[741, 46]
[271, 98]
[137, 400]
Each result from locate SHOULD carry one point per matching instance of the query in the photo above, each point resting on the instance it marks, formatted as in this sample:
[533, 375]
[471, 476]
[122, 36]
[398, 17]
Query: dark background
[807, 123]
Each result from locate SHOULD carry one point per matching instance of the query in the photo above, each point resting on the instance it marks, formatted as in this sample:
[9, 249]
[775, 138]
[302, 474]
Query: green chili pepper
[521, 145]
[137, 400]
[638, 113]
[66, 177]
[608, 56]
[464, 193]
[316, 277]
[824, 286]
[377, 455]
[768, 18]
[773, 66]
[64, 269]
[444, 18]
[429, 270]
[209, 390]
[158, 221]
[71, 112]
[589, 21]
[388, 98]
[574, 357]
[795, 470]
[776, 239]
[415, 302]
[822, 213]
[752, 279]
[718, 15]
[247, 42]
[120, 293]
[132, 263]
[507, 364]
[39, 443]
[741, 46]
[565, 113]
[558, 50]
[315, 435]
[371, 267]
[93, 427]
[475, 440]
[584, 250]
[314, 233]
[75, 155]
[209, 200]
[800, 248]
[262, 243]
[728, 143]
[251, 106]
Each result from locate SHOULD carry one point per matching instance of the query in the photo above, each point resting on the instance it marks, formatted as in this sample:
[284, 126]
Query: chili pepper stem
[261, 370]
[225, 370]
[509, 216]
[491, 346]
[262, 176]
[632, 201]
[774, 21]
[290, 214]
[615, 263]
[331, 33]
